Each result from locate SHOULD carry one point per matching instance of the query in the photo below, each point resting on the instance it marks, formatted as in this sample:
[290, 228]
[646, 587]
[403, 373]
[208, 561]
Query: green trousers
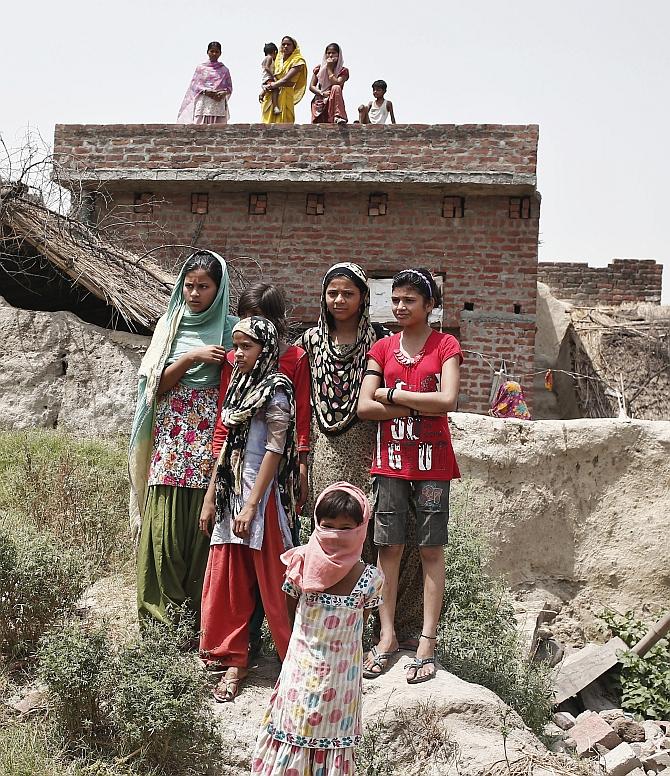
[172, 553]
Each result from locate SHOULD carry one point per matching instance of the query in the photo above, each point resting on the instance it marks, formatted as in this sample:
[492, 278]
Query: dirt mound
[578, 508]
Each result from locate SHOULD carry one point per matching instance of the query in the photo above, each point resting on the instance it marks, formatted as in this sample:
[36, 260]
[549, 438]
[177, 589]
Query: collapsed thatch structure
[32, 234]
[625, 351]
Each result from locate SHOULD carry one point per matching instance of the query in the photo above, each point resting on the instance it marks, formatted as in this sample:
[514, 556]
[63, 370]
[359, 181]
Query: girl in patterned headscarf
[250, 504]
[341, 446]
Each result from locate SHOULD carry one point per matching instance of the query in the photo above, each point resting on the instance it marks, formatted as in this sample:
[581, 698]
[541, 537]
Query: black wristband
[389, 395]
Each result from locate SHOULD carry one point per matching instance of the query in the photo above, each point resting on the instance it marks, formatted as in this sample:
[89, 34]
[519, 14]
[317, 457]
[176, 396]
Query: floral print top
[316, 702]
[183, 431]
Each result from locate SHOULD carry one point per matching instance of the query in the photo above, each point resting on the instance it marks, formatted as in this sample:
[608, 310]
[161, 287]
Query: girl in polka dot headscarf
[313, 722]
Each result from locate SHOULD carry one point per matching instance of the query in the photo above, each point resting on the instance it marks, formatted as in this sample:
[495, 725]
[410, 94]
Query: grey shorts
[430, 499]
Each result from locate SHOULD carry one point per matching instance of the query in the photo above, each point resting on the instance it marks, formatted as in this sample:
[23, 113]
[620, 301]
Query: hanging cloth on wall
[499, 378]
[549, 380]
[510, 402]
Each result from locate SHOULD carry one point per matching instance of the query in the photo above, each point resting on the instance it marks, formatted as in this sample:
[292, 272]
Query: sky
[594, 74]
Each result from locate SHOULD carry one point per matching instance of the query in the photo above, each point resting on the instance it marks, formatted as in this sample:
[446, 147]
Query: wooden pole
[653, 636]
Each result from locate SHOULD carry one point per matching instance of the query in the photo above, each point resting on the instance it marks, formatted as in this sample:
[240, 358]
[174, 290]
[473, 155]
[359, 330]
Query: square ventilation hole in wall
[258, 204]
[200, 204]
[143, 202]
[315, 205]
[470, 306]
[377, 204]
[453, 207]
[519, 207]
[517, 309]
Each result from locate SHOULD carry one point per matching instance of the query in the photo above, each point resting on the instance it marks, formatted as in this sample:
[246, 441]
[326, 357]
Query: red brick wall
[624, 280]
[236, 148]
[488, 259]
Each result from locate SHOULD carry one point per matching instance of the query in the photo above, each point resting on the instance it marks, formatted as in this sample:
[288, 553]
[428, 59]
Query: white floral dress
[314, 718]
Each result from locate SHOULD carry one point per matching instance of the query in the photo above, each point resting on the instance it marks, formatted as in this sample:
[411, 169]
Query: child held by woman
[410, 384]
[249, 507]
[313, 721]
[268, 74]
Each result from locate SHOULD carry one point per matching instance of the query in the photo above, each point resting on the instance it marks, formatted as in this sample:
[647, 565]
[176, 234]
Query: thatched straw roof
[136, 287]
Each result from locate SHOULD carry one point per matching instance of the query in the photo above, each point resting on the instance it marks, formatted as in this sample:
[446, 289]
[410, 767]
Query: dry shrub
[143, 703]
[75, 490]
[40, 582]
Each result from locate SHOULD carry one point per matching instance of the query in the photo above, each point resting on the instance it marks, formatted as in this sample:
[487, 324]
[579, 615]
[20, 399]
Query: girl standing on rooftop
[206, 99]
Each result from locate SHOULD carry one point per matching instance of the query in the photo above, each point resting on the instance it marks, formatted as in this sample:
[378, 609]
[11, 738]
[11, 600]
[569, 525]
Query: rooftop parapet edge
[402, 154]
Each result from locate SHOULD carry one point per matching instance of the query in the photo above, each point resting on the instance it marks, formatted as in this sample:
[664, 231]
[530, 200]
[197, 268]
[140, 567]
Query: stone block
[652, 730]
[644, 749]
[656, 761]
[564, 720]
[628, 731]
[662, 759]
[621, 760]
[584, 667]
[591, 730]
[609, 715]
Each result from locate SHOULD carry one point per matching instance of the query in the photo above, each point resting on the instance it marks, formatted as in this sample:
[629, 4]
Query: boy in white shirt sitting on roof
[379, 109]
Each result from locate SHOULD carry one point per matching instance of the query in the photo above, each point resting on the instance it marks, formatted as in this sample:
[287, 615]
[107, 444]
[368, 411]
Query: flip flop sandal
[230, 687]
[380, 660]
[418, 663]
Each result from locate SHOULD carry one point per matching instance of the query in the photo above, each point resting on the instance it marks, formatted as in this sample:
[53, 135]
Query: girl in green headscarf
[170, 458]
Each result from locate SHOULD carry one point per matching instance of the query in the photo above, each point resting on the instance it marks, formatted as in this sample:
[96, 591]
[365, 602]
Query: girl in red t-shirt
[410, 384]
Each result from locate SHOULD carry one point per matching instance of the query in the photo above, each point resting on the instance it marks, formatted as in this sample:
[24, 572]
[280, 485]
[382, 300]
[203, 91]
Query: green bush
[645, 681]
[145, 702]
[77, 490]
[477, 636]
[72, 663]
[40, 582]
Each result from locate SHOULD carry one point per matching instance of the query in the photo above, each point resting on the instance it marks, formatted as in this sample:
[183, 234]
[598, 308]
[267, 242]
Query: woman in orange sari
[290, 81]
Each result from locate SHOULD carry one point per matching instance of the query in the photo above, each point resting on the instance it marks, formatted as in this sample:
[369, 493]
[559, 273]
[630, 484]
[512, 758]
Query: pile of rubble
[623, 746]
[587, 722]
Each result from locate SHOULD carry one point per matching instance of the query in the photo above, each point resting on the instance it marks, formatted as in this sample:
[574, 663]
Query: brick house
[294, 199]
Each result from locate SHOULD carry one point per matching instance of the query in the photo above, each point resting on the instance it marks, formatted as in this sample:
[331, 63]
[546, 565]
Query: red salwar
[234, 572]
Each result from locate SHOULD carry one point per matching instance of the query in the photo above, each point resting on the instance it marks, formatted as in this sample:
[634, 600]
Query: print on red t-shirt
[415, 448]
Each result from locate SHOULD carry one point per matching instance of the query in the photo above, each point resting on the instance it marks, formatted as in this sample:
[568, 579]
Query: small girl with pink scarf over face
[206, 99]
[327, 83]
[313, 721]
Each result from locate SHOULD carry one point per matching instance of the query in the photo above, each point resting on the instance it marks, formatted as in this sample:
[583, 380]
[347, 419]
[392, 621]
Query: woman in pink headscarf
[313, 722]
[327, 84]
[206, 99]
